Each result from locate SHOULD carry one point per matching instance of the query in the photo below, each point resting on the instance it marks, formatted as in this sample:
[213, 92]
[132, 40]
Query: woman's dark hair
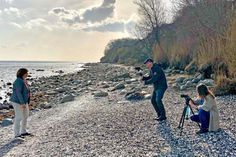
[21, 72]
[204, 91]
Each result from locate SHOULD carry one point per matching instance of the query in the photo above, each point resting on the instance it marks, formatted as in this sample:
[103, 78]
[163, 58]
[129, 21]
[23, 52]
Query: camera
[139, 71]
[187, 97]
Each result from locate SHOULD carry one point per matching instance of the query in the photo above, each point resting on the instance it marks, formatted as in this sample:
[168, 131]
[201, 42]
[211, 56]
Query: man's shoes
[160, 119]
[19, 136]
[201, 132]
[26, 134]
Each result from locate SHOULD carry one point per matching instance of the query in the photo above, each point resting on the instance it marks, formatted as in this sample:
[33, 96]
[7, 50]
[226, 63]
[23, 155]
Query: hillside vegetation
[201, 36]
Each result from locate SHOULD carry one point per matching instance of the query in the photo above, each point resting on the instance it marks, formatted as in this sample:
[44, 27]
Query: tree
[152, 15]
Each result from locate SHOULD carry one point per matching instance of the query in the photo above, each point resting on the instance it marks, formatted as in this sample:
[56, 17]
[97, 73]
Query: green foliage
[125, 51]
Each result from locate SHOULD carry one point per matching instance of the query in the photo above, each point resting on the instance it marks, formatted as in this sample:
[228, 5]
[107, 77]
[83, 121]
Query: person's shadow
[188, 144]
[174, 143]
[220, 143]
[11, 144]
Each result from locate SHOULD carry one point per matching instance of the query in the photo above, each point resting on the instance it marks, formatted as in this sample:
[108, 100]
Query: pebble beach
[105, 110]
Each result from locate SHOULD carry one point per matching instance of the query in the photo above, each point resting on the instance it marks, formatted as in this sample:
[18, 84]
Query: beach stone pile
[183, 81]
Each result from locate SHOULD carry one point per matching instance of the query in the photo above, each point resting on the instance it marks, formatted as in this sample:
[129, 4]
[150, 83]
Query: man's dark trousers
[158, 104]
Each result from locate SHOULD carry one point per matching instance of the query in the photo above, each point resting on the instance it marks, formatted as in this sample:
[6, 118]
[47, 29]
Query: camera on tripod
[187, 107]
[186, 97]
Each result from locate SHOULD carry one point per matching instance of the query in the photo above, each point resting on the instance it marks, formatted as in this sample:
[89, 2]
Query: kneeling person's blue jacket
[20, 93]
[157, 78]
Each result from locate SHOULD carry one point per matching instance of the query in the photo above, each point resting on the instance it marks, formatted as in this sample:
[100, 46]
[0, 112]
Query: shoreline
[49, 91]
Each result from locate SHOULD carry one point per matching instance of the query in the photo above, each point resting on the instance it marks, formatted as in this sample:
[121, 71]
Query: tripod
[181, 122]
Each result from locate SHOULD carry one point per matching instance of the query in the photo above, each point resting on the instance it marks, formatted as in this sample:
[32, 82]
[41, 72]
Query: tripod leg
[184, 113]
[182, 118]
[181, 123]
[193, 114]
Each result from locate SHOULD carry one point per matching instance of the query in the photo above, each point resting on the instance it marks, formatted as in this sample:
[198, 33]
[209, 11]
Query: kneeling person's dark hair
[204, 91]
[21, 72]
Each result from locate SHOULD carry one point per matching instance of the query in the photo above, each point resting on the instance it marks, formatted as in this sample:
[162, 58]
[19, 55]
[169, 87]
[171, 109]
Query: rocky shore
[104, 110]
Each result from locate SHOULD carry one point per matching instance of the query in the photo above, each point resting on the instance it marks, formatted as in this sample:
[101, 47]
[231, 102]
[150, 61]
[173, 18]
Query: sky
[63, 30]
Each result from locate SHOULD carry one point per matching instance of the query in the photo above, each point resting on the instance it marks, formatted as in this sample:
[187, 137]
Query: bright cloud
[15, 12]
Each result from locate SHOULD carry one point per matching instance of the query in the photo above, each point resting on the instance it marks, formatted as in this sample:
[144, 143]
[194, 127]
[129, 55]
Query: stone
[200, 77]
[40, 70]
[100, 94]
[61, 90]
[134, 96]
[196, 80]
[123, 92]
[131, 80]
[4, 106]
[175, 71]
[51, 92]
[6, 122]
[148, 96]
[207, 82]
[89, 82]
[124, 75]
[46, 106]
[180, 79]
[105, 85]
[122, 102]
[59, 71]
[183, 87]
[119, 76]
[77, 82]
[68, 98]
[9, 83]
[168, 70]
[118, 87]
[189, 84]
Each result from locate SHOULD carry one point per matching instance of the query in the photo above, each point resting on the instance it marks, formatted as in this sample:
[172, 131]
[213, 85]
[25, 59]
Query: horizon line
[44, 61]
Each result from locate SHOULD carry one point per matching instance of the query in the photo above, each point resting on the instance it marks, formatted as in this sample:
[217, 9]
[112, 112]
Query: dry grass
[225, 85]
[220, 50]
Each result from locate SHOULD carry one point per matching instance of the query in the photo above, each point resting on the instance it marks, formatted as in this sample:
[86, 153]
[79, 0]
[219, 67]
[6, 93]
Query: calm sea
[8, 71]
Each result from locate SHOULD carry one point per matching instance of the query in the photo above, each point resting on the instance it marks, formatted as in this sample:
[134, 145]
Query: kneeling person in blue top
[158, 79]
[208, 115]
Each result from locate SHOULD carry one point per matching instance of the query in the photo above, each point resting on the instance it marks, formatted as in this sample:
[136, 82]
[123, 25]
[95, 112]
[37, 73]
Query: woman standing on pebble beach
[20, 99]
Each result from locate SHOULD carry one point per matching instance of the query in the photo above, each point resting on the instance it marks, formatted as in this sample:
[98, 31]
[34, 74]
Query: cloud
[98, 14]
[112, 26]
[16, 25]
[13, 12]
[68, 16]
[107, 27]
[60, 10]
[37, 23]
[89, 15]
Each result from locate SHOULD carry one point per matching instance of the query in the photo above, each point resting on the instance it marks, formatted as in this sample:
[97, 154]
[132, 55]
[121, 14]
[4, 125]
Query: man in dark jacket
[158, 79]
